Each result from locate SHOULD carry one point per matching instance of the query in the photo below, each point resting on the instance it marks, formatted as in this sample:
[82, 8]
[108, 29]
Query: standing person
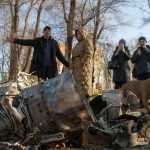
[141, 59]
[82, 61]
[46, 49]
[122, 55]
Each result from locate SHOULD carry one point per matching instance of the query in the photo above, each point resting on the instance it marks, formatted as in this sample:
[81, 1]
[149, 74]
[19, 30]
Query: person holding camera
[141, 58]
[120, 58]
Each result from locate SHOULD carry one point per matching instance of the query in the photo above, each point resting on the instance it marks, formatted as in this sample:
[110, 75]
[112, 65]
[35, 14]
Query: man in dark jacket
[46, 49]
[141, 58]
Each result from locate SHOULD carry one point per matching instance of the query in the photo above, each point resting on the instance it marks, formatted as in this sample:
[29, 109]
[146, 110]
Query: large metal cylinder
[61, 99]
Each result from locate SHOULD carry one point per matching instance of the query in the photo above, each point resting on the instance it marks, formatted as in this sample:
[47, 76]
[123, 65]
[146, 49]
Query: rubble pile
[55, 114]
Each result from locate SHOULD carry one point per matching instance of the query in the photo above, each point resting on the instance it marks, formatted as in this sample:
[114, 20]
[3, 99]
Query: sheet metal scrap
[114, 130]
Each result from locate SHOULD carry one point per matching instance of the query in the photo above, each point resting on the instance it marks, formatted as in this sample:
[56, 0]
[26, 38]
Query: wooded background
[26, 19]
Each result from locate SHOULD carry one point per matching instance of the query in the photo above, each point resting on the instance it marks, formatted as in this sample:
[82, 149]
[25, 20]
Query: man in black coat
[46, 50]
[141, 58]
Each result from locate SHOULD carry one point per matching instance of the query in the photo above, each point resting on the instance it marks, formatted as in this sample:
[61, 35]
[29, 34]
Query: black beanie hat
[142, 38]
[122, 41]
[47, 27]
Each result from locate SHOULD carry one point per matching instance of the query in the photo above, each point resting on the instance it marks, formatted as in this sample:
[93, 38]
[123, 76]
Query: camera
[141, 48]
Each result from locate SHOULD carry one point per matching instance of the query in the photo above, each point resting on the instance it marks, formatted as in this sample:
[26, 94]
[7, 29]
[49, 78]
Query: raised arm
[127, 54]
[26, 42]
[136, 57]
[147, 51]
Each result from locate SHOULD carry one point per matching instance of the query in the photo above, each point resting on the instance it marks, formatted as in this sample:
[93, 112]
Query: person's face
[47, 33]
[78, 36]
[121, 45]
[142, 43]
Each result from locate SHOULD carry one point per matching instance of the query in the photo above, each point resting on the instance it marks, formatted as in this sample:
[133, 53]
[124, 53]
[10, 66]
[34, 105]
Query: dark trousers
[143, 76]
[48, 72]
[118, 85]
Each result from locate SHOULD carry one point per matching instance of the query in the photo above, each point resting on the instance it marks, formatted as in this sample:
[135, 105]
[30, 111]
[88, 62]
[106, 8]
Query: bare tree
[14, 57]
[144, 7]
[70, 25]
[67, 15]
[26, 23]
[29, 51]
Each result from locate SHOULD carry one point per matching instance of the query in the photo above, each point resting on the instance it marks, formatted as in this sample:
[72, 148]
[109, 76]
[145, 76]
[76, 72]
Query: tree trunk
[14, 56]
[26, 24]
[70, 26]
[29, 51]
[97, 23]
[95, 34]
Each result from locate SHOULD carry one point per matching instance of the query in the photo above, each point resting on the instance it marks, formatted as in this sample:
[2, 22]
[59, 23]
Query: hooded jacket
[82, 62]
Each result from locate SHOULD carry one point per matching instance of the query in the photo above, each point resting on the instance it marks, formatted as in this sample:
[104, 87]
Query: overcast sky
[136, 29]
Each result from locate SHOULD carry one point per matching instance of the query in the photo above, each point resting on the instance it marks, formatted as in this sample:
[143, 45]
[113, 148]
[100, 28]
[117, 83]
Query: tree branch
[64, 10]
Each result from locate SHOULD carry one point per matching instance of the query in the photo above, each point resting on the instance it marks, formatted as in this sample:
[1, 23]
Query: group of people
[44, 61]
[46, 50]
[140, 60]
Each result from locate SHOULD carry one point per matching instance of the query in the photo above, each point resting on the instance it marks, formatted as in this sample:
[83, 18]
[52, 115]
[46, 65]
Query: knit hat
[47, 27]
[142, 38]
[122, 41]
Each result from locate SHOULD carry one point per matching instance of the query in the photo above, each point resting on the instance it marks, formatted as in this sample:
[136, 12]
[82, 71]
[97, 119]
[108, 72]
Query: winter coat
[142, 62]
[37, 62]
[122, 74]
[82, 62]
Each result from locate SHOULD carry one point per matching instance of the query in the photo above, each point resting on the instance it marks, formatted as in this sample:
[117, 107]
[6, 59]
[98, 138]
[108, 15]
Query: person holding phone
[122, 56]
